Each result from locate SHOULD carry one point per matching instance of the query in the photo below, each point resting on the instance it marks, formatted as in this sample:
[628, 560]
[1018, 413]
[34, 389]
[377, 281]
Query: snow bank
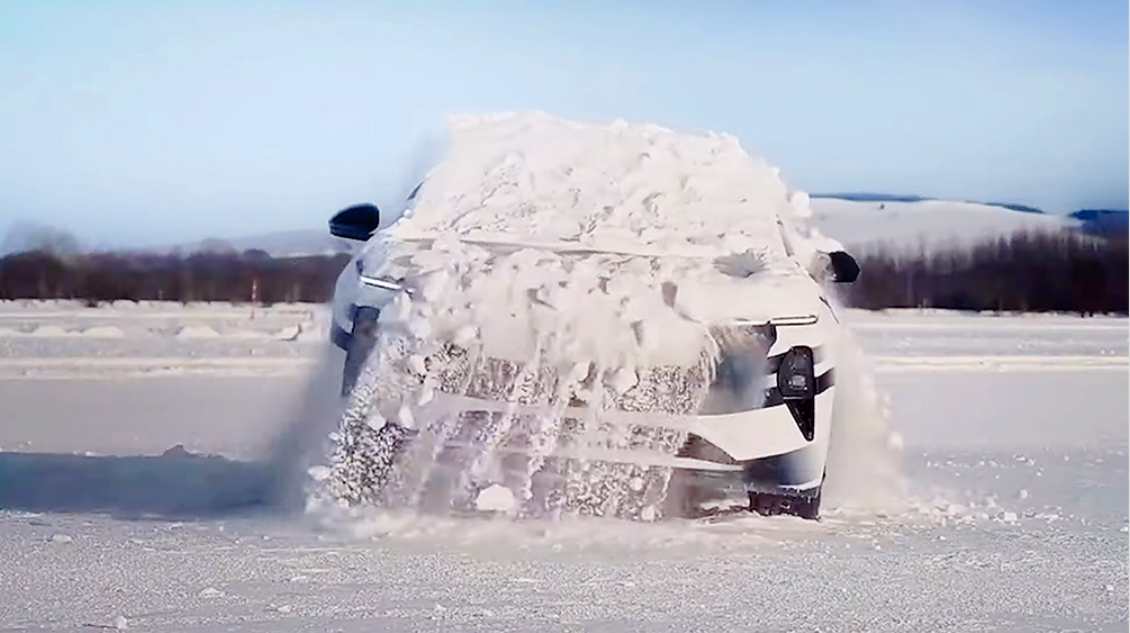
[50, 331]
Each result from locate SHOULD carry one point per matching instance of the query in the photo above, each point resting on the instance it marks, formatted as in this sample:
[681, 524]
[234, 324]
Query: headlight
[795, 378]
[384, 284]
[796, 381]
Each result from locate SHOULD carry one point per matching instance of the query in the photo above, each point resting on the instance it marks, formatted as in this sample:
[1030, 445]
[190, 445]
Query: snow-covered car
[684, 279]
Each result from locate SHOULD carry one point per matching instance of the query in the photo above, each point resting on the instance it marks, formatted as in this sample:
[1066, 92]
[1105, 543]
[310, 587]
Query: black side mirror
[358, 222]
[844, 267]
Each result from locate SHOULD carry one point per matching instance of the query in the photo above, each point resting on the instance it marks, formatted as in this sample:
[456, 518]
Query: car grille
[670, 389]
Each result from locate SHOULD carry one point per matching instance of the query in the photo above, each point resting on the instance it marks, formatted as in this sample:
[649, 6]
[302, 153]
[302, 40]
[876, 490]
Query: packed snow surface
[1016, 482]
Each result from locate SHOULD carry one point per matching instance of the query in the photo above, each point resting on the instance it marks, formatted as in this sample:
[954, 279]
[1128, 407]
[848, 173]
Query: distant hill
[277, 244]
[915, 226]
[1023, 208]
[1089, 220]
[870, 197]
[897, 197]
[1103, 220]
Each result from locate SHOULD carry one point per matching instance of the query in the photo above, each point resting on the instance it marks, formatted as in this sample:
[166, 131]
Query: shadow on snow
[177, 484]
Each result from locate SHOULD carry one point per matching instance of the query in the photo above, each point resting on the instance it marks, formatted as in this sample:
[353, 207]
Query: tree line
[1061, 271]
[1036, 272]
[224, 277]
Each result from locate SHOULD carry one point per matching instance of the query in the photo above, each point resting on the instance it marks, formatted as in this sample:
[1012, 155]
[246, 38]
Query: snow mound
[197, 332]
[51, 331]
[7, 331]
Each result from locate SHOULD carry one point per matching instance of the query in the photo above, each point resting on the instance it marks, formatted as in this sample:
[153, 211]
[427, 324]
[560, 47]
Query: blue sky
[165, 120]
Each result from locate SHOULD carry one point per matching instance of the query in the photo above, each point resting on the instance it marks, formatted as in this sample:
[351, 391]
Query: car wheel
[361, 345]
[806, 506]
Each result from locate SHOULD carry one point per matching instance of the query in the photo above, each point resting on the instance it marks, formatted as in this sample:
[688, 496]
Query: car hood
[609, 303]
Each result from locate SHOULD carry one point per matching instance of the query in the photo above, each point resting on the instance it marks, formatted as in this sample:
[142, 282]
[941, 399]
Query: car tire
[805, 506]
[361, 344]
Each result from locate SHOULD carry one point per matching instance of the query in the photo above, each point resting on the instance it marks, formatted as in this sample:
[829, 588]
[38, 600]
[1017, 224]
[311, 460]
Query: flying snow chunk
[623, 380]
[465, 335]
[418, 364]
[319, 473]
[405, 417]
[496, 498]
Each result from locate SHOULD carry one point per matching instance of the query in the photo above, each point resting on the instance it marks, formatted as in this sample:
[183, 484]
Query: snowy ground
[1015, 459]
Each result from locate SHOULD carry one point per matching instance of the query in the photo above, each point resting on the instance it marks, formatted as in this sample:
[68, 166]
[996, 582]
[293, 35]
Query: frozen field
[1014, 518]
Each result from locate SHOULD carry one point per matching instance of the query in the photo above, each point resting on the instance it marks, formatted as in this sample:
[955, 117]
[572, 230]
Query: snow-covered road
[1015, 455]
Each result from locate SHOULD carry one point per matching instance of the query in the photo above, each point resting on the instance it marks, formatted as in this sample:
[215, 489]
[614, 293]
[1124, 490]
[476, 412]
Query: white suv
[763, 425]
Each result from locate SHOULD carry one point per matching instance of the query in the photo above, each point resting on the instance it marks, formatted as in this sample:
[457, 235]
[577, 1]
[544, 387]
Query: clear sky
[165, 120]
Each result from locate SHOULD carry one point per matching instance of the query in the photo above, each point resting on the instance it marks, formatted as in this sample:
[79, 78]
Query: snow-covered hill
[904, 226]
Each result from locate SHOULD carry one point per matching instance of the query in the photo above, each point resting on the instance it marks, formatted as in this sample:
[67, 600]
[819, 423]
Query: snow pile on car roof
[535, 177]
[569, 200]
